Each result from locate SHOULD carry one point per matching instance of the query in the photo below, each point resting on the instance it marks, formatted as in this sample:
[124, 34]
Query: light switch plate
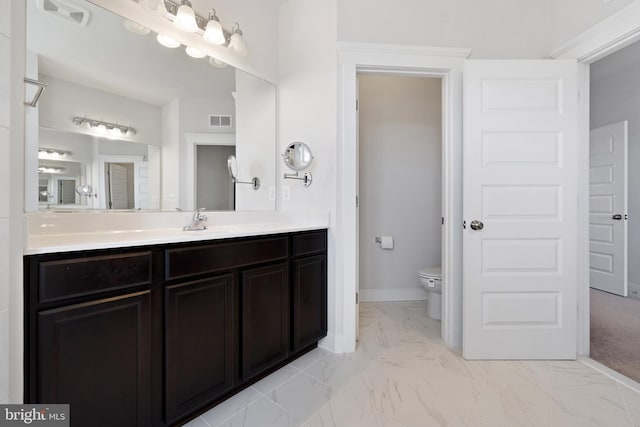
[286, 192]
[272, 192]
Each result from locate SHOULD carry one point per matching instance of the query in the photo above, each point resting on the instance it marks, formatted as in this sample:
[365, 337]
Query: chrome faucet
[197, 222]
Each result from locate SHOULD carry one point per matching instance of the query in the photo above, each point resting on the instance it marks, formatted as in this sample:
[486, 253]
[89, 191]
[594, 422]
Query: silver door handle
[617, 217]
[476, 225]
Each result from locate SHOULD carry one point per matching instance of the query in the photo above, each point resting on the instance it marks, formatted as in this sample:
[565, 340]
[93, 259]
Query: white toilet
[431, 281]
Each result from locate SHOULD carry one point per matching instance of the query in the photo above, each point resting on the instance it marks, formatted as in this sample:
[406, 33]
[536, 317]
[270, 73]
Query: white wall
[400, 169]
[79, 145]
[492, 28]
[307, 61]
[64, 100]
[615, 96]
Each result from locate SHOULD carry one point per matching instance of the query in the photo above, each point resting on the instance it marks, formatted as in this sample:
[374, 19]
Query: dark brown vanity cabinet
[265, 318]
[309, 288]
[200, 342]
[93, 353]
[153, 336]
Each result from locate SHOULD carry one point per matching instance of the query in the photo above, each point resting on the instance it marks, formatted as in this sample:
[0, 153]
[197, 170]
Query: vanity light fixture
[213, 32]
[185, 18]
[237, 41]
[114, 130]
[52, 153]
[167, 41]
[195, 53]
[181, 13]
[50, 169]
[156, 6]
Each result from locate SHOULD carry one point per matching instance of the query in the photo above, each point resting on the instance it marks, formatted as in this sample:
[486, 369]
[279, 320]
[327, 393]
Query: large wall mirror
[126, 123]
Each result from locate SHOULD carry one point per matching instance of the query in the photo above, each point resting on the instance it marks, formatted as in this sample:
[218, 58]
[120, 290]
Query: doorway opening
[614, 211]
[400, 155]
[215, 190]
[119, 179]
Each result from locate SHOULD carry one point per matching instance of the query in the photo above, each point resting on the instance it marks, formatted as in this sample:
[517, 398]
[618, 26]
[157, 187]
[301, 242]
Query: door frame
[102, 180]
[194, 139]
[608, 36]
[447, 64]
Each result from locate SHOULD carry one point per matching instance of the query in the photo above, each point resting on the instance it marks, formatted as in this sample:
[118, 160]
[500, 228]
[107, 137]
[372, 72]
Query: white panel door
[118, 187]
[520, 208]
[608, 208]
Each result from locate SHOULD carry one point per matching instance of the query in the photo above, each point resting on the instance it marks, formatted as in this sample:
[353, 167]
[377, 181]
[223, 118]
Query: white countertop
[56, 238]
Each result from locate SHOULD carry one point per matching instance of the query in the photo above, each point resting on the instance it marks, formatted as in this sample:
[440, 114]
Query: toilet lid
[431, 272]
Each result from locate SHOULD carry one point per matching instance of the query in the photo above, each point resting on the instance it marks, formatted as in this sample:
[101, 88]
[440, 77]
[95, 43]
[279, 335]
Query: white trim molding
[608, 36]
[446, 64]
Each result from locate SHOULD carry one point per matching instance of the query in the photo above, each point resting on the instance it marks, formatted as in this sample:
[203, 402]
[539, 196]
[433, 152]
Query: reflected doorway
[120, 190]
[214, 188]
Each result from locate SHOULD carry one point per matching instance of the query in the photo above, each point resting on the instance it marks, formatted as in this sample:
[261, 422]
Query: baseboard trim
[634, 290]
[614, 375]
[391, 294]
[330, 343]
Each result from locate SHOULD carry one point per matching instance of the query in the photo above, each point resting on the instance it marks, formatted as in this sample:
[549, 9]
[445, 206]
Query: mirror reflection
[146, 127]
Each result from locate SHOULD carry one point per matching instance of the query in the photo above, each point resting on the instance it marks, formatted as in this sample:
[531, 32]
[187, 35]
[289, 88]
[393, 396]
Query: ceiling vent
[217, 121]
[65, 10]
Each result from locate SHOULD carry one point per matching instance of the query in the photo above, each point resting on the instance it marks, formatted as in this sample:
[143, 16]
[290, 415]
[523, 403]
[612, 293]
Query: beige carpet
[615, 332]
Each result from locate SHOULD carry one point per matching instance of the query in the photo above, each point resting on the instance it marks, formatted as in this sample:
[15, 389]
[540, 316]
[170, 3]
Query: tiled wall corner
[4, 355]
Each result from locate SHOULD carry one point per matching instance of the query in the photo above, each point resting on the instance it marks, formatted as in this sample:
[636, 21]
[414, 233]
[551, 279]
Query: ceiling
[105, 55]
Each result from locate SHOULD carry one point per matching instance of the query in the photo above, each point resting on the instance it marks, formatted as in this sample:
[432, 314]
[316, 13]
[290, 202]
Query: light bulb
[195, 53]
[115, 132]
[167, 41]
[85, 125]
[136, 28]
[101, 128]
[186, 18]
[237, 42]
[217, 63]
[214, 33]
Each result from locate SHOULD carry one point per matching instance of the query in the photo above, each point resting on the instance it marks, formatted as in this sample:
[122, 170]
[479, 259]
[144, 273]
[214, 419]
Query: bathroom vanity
[153, 335]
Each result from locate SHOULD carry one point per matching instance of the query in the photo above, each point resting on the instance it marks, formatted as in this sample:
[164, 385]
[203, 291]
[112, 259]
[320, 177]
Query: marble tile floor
[403, 376]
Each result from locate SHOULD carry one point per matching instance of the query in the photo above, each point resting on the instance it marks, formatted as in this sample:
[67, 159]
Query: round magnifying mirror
[298, 156]
[84, 190]
[232, 164]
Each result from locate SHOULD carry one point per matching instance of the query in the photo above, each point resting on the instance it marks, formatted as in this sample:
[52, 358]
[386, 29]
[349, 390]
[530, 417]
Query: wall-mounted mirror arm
[306, 177]
[41, 87]
[232, 164]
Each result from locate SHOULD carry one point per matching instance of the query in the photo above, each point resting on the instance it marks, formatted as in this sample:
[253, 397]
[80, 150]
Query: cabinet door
[309, 300]
[95, 356]
[265, 318]
[199, 343]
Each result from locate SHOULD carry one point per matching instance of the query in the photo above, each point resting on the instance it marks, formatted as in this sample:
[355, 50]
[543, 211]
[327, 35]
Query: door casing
[443, 63]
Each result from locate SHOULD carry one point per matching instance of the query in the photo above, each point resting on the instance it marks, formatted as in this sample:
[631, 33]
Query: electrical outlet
[286, 192]
[272, 192]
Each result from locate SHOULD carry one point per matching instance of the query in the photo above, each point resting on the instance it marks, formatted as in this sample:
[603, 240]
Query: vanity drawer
[308, 243]
[190, 261]
[74, 277]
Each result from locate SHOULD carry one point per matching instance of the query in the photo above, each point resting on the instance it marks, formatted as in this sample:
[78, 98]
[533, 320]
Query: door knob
[476, 225]
[617, 216]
